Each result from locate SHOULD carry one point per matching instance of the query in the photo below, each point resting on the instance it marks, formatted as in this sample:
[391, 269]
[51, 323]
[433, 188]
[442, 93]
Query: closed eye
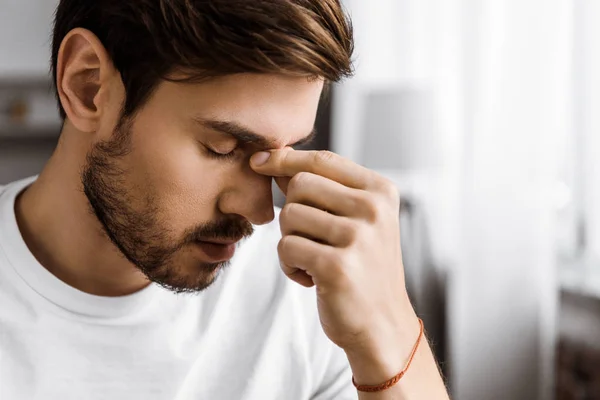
[217, 155]
[221, 156]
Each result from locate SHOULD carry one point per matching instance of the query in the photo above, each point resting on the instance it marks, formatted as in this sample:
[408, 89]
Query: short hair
[150, 40]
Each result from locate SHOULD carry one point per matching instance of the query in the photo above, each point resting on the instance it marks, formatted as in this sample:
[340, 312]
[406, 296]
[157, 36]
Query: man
[178, 114]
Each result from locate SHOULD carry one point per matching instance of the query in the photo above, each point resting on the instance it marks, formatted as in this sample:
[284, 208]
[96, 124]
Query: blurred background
[486, 113]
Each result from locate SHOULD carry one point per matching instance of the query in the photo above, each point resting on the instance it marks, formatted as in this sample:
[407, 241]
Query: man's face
[166, 199]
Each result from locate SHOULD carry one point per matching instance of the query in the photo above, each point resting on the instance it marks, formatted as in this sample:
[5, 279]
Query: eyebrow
[246, 136]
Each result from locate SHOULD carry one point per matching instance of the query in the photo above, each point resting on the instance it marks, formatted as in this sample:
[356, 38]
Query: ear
[85, 78]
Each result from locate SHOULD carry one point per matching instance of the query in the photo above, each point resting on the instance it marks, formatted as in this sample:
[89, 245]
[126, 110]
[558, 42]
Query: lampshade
[398, 130]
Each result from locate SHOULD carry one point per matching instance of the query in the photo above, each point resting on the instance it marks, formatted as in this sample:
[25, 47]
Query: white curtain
[588, 97]
[502, 71]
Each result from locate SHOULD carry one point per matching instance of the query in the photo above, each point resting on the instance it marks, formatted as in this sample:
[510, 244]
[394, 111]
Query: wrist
[386, 356]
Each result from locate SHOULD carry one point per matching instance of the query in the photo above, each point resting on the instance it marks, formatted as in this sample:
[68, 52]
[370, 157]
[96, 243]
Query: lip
[217, 251]
[222, 242]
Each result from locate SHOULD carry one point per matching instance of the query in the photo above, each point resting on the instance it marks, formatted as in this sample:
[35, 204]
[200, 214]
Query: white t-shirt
[253, 335]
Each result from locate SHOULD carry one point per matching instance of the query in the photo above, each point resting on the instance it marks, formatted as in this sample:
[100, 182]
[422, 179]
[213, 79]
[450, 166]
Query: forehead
[280, 108]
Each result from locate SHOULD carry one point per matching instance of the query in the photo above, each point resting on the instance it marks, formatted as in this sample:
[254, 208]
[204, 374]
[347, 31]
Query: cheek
[184, 185]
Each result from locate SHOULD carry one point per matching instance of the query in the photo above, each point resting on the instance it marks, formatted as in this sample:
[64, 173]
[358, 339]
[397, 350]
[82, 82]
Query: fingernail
[260, 158]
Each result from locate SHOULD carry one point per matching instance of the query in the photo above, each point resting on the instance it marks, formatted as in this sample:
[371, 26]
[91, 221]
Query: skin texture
[121, 202]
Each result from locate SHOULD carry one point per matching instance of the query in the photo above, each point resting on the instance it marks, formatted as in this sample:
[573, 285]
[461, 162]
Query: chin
[200, 277]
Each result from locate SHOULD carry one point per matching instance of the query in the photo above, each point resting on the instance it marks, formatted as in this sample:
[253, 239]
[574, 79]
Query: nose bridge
[250, 195]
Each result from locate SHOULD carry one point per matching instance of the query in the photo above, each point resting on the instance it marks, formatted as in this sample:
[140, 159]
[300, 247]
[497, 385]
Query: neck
[62, 232]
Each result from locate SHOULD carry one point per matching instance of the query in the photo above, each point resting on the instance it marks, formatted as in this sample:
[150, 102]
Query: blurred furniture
[578, 349]
[578, 372]
[29, 123]
[27, 108]
[29, 126]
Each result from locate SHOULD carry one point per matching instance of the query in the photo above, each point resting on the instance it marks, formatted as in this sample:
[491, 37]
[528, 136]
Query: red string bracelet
[388, 384]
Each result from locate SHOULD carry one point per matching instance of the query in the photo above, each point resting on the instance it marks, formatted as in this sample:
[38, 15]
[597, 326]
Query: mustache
[229, 228]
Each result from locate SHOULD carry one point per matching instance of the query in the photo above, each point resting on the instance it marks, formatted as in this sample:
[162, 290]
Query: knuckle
[351, 232]
[321, 261]
[335, 266]
[390, 192]
[298, 180]
[339, 268]
[337, 262]
[370, 207]
[282, 246]
[323, 157]
[345, 232]
[287, 212]
[284, 220]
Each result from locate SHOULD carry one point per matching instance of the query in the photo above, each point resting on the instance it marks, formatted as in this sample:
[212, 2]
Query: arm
[421, 381]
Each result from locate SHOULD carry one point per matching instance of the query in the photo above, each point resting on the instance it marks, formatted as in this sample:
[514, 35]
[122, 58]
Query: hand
[340, 228]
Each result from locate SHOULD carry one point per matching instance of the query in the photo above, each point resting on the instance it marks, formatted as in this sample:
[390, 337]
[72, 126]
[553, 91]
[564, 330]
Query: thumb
[258, 160]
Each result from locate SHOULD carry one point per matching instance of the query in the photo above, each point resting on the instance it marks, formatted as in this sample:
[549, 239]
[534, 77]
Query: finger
[297, 275]
[321, 262]
[311, 223]
[288, 267]
[323, 193]
[283, 181]
[287, 162]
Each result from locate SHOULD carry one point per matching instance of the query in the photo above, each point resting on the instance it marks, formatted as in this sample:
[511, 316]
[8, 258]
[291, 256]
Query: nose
[249, 195]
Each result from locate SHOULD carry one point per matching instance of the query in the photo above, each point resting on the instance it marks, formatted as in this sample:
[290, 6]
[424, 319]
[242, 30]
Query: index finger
[289, 162]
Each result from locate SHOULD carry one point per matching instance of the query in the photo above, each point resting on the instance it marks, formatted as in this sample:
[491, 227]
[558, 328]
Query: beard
[140, 235]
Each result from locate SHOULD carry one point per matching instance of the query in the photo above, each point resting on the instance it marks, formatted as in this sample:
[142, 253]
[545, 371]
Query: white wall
[590, 93]
[25, 27]
[518, 96]
[398, 47]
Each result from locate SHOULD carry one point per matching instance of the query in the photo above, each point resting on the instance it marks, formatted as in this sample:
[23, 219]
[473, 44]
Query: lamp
[399, 130]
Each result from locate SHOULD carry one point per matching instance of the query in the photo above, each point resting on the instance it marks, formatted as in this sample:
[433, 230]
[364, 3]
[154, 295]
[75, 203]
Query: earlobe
[83, 72]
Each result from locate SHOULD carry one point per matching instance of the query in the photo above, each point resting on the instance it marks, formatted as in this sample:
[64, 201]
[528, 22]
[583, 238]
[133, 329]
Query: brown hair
[148, 40]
